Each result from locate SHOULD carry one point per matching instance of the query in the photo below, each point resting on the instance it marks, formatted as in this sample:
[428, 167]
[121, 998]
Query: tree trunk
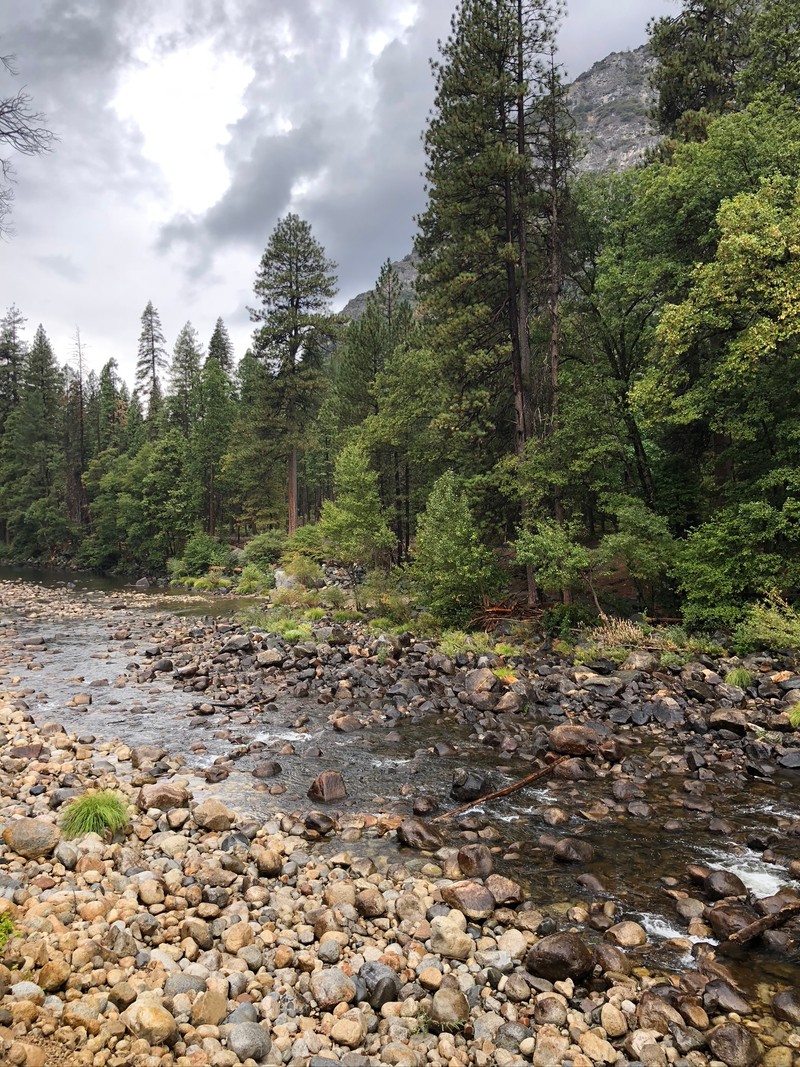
[292, 490]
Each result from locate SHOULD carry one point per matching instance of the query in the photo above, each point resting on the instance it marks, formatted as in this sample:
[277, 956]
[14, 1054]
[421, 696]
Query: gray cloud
[93, 211]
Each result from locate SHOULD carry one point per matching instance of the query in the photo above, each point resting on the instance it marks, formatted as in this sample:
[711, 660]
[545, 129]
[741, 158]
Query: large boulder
[560, 956]
[734, 1045]
[214, 816]
[164, 796]
[328, 788]
[414, 833]
[32, 838]
[571, 740]
[148, 1019]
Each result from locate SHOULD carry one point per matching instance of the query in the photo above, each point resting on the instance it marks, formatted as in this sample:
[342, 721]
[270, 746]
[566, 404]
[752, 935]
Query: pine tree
[210, 436]
[184, 376]
[773, 70]
[13, 349]
[152, 360]
[698, 56]
[294, 284]
[220, 347]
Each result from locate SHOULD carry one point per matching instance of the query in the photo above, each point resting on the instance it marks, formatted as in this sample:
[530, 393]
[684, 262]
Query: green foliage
[558, 560]
[307, 542]
[561, 619]
[794, 717]
[456, 642]
[203, 551]
[739, 676]
[308, 573]
[385, 594]
[353, 523]
[266, 548]
[95, 813]
[769, 626]
[7, 930]
[254, 580]
[452, 568]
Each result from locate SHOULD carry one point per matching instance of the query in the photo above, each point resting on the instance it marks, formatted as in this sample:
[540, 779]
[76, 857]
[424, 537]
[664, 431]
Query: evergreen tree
[184, 376]
[698, 56]
[294, 285]
[210, 437]
[152, 360]
[220, 347]
[773, 69]
[13, 349]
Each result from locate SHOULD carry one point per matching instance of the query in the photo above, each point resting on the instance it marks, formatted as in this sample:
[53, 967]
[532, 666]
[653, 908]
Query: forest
[592, 399]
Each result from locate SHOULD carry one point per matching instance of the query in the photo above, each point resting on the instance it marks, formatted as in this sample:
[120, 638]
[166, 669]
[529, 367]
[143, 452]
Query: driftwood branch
[769, 922]
[506, 791]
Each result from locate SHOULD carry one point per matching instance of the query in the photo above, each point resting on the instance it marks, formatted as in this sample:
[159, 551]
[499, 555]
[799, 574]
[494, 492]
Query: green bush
[560, 619]
[7, 930]
[384, 595]
[306, 571]
[332, 596]
[95, 813]
[265, 549]
[453, 642]
[771, 626]
[452, 568]
[203, 551]
[254, 580]
[308, 542]
[739, 676]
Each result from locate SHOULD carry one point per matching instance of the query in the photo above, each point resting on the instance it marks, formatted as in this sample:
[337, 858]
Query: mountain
[610, 103]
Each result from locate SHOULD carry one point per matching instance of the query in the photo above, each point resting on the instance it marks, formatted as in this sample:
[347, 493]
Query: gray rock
[249, 1041]
[449, 1010]
[331, 987]
[734, 1045]
[560, 956]
[32, 838]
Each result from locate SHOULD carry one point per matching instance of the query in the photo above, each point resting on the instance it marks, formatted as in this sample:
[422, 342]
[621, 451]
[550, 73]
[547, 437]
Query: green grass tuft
[7, 930]
[95, 813]
[739, 676]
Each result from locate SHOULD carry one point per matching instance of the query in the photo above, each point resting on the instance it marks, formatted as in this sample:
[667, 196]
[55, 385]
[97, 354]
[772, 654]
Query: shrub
[454, 642]
[383, 594]
[306, 571]
[7, 930]
[203, 551]
[307, 541]
[314, 614]
[254, 580]
[95, 813]
[333, 596]
[452, 568]
[265, 549]
[772, 626]
[739, 676]
[560, 619]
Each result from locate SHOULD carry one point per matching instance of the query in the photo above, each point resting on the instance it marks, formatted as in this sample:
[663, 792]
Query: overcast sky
[188, 127]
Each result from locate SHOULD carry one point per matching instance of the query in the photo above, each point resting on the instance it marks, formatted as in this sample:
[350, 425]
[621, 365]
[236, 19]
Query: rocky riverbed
[240, 921]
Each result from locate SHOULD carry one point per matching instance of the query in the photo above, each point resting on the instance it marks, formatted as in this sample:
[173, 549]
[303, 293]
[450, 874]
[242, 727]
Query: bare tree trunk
[292, 490]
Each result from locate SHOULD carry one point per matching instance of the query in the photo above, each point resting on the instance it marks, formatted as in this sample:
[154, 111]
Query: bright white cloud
[183, 104]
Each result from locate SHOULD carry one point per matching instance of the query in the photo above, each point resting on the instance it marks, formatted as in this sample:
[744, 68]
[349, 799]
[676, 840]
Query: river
[641, 851]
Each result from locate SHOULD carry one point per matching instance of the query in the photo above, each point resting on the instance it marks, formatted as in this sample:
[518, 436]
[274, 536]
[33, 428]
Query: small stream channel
[633, 851]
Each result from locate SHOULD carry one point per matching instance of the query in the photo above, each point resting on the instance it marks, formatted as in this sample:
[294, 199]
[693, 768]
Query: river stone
[162, 795]
[573, 850]
[473, 899]
[147, 1018]
[31, 838]
[551, 1047]
[560, 956]
[144, 754]
[419, 835]
[449, 937]
[54, 975]
[613, 1021]
[449, 1009]
[183, 983]
[719, 884]
[718, 995]
[249, 1041]
[268, 769]
[214, 815]
[626, 935]
[734, 1045]
[330, 987]
[726, 919]
[728, 719]
[570, 740]
[350, 1029]
[597, 1048]
[475, 861]
[328, 787]
[654, 1013]
[469, 785]
[786, 1006]
[504, 890]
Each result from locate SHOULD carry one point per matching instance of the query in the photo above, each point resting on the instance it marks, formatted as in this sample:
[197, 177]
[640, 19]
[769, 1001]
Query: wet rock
[626, 935]
[560, 956]
[726, 919]
[786, 1006]
[328, 788]
[319, 823]
[734, 1045]
[611, 958]
[32, 838]
[686, 1038]
[475, 861]
[571, 740]
[414, 833]
[425, 805]
[269, 769]
[719, 995]
[654, 1013]
[469, 785]
[504, 890]
[473, 899]
[573, 850]
[721, 884]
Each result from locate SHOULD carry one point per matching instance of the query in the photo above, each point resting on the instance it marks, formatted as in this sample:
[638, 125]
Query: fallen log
[505, 791]
[768, 922]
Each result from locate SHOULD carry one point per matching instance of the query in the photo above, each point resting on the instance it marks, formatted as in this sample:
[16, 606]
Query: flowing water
[634, 853]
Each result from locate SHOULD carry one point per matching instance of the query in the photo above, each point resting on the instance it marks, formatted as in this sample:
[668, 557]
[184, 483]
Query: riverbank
[221, 920]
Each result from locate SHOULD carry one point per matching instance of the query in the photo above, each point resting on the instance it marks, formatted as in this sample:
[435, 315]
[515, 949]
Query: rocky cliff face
[610, 104]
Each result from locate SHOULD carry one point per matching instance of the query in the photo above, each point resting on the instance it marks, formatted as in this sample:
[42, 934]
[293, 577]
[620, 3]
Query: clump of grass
[794, 717]
[773, 626]
[95, 813]
[453, 642]
[314, 614]
[7, 930]
[505, 675]
[254, 580]
[739, 676]
[344, 615]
